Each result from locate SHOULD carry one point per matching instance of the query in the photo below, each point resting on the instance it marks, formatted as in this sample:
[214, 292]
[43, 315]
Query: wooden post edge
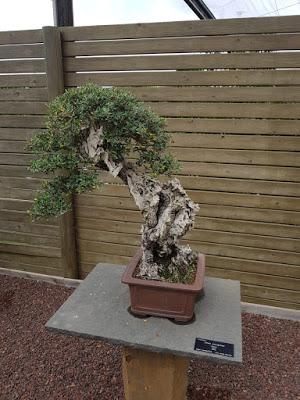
[55, 82]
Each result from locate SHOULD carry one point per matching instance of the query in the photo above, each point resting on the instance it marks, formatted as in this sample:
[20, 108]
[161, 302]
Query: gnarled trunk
[168, 214]
[167, 211]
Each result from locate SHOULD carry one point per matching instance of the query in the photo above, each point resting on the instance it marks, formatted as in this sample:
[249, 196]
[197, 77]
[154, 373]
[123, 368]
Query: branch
[93, 147]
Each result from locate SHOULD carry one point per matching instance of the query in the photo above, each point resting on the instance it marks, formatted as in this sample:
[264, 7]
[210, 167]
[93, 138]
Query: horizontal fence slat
[113, 248]
[251, 214]
[228, 125]
[27, 249]
[28, 80]
[90, 259]
[268, 302]
[204, 169]
[20, 216]
[18, 171]
[251, 157]
[254, 278]
[122, 213]
[187, 78]
[15, 159]
[22, 51]
[229, 215]
[41, 261]
[12, 146]
[289, 174]
[30, 107]
[27, 238]
[271, 293]
[237, 239]
[30, 228]
[228, 110]
[22, 121]
[24, 94]
[22, 66]
[204, 223]
[29, 183]
[17, 193]
[184, 45]
[195, 61]
[40, 269]
[221, 141]
[222, 184]
[199, 235]
[227, 250]
[217, 94]
[242, 157]
[248, 227]
[194, 183]
[241, 185]
[15, 204]
[184, 28]
[202, 197]
[262, 267]
[17, 134]
[21, 37]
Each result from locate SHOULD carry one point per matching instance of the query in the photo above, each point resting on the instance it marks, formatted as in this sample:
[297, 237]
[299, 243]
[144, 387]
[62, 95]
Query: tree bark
[167, 211]
[168, 215]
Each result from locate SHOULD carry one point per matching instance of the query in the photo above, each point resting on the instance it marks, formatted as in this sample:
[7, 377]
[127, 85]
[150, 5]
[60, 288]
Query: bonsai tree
[92, 129]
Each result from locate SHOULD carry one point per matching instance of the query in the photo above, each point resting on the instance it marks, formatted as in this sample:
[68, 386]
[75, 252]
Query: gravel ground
[39, 365]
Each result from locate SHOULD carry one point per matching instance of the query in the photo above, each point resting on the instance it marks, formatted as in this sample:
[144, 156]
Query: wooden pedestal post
[154, 376]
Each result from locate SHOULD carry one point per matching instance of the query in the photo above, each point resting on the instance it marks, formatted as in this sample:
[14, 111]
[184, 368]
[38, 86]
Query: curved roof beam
[200, 9]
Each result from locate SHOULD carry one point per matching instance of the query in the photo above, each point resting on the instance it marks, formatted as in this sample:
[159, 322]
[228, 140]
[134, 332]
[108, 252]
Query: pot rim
[196, 286]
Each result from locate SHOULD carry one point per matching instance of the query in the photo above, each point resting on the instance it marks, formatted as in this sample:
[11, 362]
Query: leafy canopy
[129, 126]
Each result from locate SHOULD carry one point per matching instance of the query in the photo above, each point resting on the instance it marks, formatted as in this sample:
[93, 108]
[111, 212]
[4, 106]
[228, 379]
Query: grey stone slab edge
[260, 309]
[152, 349]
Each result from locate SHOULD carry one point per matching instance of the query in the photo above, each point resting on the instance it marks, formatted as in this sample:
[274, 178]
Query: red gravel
[39, 365]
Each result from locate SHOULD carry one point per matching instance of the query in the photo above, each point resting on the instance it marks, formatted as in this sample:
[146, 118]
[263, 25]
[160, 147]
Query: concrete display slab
[98, 309]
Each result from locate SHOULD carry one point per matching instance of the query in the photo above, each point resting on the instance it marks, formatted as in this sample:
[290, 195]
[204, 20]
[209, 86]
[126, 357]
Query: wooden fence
[230, 90]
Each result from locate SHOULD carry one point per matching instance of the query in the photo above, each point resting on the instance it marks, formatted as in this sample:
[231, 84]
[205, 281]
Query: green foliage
[55, 198]
[128, 127]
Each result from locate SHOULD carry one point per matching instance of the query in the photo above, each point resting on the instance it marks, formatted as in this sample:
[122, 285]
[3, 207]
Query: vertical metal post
[63, 12]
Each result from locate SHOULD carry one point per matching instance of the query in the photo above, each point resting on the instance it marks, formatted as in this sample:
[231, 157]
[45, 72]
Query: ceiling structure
[200, 9]
[33, 14]
[252, 8]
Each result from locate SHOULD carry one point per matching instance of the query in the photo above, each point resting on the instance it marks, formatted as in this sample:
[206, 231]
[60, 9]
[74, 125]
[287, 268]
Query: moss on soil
[178, 277]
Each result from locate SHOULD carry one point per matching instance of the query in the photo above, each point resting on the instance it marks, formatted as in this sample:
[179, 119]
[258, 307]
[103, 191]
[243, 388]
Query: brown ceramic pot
[163, 299]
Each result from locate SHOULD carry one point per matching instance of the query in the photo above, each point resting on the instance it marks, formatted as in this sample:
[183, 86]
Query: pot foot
[179, 322]
[136, 315]
[200, 295]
